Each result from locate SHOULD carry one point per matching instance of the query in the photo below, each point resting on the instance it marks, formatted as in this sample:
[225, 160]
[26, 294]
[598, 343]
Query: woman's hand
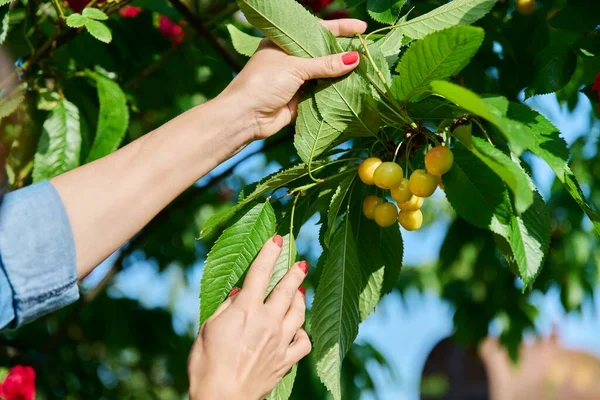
[268, 86]
[249, 344]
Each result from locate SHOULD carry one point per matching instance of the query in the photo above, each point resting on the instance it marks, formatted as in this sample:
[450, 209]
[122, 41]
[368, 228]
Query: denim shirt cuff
[37, 251]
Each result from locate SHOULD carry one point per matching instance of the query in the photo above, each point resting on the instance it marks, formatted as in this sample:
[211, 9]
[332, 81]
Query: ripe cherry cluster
[407, 193]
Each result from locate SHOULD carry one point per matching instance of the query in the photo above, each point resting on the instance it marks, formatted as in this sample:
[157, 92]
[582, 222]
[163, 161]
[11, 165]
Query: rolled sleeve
[37, 253]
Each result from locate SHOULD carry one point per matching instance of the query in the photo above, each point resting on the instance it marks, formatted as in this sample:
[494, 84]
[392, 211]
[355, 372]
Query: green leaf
[284, 262]
[385, 11]
[113, 119]
[76, 20]
[272, 182]
[554, 67]
[510, 172]
[313, 134]
[243, 43]
[390, 45]
[98, 30]
[232, 255]
[552, 148]
[529, 239]
[335, 207]
[456, 12]
[283, 390]
[481, 199]
[289, 25]
[392, 248]
[5, 2]
[94, 13]
[10, 104]
[4, 22]
[438, 56]
[335, 312]
[476, 193]
[491, 109]
[343, 102]
[59, 147]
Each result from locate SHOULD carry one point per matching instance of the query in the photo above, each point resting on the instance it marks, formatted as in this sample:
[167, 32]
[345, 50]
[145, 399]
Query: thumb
[328, 67]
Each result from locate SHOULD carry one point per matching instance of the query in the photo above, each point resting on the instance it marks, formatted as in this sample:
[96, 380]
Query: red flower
[19, 384]
[171, 30]
[130, 11]
[79, 5]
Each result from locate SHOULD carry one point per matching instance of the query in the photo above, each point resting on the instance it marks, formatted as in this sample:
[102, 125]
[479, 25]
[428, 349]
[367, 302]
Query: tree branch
[204, 32]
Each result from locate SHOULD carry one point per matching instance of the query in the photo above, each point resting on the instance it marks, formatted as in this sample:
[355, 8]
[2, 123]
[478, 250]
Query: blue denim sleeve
[37, 255]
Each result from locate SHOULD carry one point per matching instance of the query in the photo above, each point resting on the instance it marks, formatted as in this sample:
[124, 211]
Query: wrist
[239, 114]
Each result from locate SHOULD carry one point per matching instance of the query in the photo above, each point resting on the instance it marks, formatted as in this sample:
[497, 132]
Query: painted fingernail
[350, 58]
[278, 240]
[302, 290]
[234, 291]
[303, 266]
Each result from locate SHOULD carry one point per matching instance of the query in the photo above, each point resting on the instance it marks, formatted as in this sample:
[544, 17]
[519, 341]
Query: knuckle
[328, 65]
[284, 292]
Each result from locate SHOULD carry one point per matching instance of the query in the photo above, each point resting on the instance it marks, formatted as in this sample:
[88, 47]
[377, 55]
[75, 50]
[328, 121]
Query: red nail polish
[350, 58]
[278, 240]
[302, 290]
[234, 291]
[303, 266]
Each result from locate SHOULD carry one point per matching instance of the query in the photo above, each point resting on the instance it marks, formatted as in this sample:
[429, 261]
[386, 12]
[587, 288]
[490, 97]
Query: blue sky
[404, 329]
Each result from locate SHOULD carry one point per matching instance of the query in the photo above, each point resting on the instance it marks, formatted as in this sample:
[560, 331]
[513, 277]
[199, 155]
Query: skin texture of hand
[110, 200]
[269, 84]
[249, 344]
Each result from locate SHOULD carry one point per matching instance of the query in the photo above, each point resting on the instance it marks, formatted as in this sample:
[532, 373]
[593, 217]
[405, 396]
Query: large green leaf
[385, 11]
[481, 198]
[490, 109]
[347, 103]
[313, 134]
[243, 43]
[344, 102]
[438, 56]
[456, 12]
[337, 207]
[551, 147]
[232, 255]
[113, 118]
[554, 67]
[266, 185]
[507, 169]
[335, 312]
[59, 147]
[289, 25]
[283, 390]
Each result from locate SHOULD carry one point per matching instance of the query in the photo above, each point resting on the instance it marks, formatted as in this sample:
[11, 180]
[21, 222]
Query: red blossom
[79, 5]
[19, 384]
[130, 11]
[171, 30]
[596, 86]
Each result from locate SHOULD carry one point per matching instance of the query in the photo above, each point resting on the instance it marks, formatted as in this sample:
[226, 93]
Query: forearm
[110, 200]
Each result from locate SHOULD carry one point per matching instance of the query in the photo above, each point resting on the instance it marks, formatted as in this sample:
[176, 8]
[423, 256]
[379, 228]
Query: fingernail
[278, 240]
[302, 290]
[234, 291]
[303, 266]
[350, 58]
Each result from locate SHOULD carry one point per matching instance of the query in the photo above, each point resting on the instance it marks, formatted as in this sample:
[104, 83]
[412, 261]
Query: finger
[299, 348]
[294, 319]
[281, 297]
[327, 67]
[345, 27]
[293, 105]
[259, 274]
[234, 292]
